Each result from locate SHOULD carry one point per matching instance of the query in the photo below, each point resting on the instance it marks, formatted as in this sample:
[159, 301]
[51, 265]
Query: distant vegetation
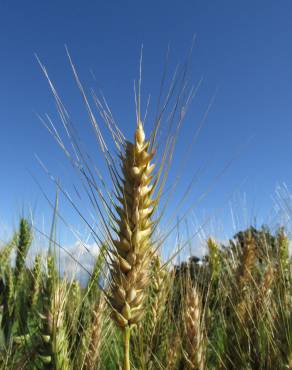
[231, 310]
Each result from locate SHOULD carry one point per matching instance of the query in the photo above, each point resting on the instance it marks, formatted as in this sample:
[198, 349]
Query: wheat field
[230, 311]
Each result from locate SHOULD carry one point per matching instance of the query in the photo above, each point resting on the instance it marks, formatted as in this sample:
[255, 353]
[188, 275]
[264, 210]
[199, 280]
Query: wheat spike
[268, 279]
[93, 352]
[263, 297]
[213, 257]
[173, 353]
[159, 294]
[132, 249]
[37, 276]
[23, 244]
[57, 329]
[244, 302]
[248, 261]
[132, 253]
[283, 251]
[194, 352]
[54, 351]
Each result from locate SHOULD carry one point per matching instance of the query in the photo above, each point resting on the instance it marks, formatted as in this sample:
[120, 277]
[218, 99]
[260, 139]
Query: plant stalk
[127, 334]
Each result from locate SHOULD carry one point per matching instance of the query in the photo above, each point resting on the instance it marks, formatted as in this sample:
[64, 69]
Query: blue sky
[243, 52]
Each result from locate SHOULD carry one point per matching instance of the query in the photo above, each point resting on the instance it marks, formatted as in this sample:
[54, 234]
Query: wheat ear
[283, 252]
[93, 353]
[37, 281]
[248, 261]
[131, 264]
[244, 276]
[173, 352]
[214, 259]
[194, 351]
[159, 294]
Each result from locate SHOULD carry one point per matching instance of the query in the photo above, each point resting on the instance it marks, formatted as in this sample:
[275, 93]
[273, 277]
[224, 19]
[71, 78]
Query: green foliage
[13, 283]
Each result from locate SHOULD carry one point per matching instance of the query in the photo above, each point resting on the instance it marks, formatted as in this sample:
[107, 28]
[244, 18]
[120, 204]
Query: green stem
[127, 334]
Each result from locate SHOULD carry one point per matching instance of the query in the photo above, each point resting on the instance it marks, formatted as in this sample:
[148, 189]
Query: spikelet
[130, 269]
[194, 351]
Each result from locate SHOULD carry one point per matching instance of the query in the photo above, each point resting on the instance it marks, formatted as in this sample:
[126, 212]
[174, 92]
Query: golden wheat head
[129, 272]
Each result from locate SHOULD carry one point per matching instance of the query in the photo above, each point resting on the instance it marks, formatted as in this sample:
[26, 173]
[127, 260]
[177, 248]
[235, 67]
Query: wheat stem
[127, 336]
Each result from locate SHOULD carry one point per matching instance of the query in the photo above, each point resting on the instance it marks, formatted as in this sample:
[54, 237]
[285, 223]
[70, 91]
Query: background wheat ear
[157, 293]
[247, 262]
[214, 258]
[194, 348]
[173, 352]
[92, 357]
[36, 283]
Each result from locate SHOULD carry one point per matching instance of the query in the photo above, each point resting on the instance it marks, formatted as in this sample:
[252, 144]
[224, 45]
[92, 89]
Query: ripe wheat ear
[132, 253]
